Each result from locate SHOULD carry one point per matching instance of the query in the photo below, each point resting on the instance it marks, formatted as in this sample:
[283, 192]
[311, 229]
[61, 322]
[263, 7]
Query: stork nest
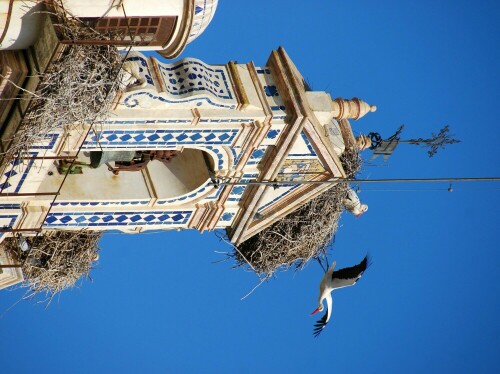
[78, 87]
[302, 235]
[55, 261]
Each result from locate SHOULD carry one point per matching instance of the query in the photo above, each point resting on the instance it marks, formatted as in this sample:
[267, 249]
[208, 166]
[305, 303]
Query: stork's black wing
[320, 325]
[349, 276]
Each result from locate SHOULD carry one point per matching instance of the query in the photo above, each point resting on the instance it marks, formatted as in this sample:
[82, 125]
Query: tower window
[144, 31]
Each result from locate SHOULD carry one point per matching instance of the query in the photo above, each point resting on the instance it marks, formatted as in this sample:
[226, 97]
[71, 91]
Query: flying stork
[331, 281]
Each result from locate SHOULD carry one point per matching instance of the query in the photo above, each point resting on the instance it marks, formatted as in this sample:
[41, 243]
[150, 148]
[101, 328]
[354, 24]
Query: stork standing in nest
[331, 281]
[352, 203]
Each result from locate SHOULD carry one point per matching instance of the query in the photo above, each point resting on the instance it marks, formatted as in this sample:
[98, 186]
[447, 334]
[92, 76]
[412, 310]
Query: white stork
[331, 281]
[352, 203]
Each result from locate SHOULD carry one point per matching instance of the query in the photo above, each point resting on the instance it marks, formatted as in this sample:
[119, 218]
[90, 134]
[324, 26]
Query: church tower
[173, 132]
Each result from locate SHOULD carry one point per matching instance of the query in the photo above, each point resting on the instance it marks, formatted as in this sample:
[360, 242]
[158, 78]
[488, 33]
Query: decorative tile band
[236, 155]
[237, 191]
[10, 206]
[226, 120]
[191, 75]
[219, 154]
[15, 174]
[308, 143]
[188, 80]
[105, 219]
[144, 121]
[200, 190]
[134, 100]
[143, 139]
[7, 221]
[100, 203]
[279, 197]
[48, 143]
[143, 66]
[172, 121]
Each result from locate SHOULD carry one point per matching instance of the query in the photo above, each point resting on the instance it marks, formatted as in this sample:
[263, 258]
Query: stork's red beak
[359, 215]
[316, 311]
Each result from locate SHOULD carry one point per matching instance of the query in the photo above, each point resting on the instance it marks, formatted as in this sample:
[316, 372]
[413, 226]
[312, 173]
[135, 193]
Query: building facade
[186, 144]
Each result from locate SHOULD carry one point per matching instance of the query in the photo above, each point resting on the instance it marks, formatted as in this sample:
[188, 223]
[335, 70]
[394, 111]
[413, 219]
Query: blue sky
[429, 302]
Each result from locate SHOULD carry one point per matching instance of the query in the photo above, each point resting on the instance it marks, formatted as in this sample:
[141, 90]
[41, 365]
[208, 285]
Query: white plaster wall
[299, 147]
[249, 86]
[98, 185]
[320, 104]
[182, 175]
[334, 135]
[4, 11]
[107, 8]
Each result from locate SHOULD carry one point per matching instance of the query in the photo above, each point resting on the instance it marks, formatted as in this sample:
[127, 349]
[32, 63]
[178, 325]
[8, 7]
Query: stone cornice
[293, 95]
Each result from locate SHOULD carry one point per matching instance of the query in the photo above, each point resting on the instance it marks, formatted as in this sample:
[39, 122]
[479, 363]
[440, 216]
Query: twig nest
[79, 87]
[56, 260]
[303, 234]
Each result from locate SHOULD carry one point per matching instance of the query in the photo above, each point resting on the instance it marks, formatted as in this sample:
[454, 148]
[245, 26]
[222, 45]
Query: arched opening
[128, 176]
[182, 175]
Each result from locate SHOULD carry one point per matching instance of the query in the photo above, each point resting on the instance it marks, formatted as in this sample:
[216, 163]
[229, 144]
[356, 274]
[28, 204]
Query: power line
[282, 183]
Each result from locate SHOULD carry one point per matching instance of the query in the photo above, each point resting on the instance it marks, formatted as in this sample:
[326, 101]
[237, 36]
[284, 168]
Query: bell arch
[130, 176]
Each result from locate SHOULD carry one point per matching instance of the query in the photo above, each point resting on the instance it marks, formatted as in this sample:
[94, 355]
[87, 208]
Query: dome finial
[354, 108]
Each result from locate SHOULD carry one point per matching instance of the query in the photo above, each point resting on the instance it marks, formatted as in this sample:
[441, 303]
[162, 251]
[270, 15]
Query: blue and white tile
[7, 221]
[107, 219]
[159, 139]
[15, 174]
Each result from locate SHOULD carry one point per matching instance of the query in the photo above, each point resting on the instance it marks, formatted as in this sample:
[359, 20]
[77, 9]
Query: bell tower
[174, 131]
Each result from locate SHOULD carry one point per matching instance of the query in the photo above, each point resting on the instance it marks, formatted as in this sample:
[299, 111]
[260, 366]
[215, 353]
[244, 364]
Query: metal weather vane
[386, 147]
[436, 141]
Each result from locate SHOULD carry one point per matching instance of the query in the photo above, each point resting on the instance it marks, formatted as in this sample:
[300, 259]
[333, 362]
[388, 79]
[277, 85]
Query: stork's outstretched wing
[349, 276]
[320, 325]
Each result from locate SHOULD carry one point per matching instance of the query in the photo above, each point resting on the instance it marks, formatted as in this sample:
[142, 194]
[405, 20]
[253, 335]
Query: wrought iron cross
[387, 147]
